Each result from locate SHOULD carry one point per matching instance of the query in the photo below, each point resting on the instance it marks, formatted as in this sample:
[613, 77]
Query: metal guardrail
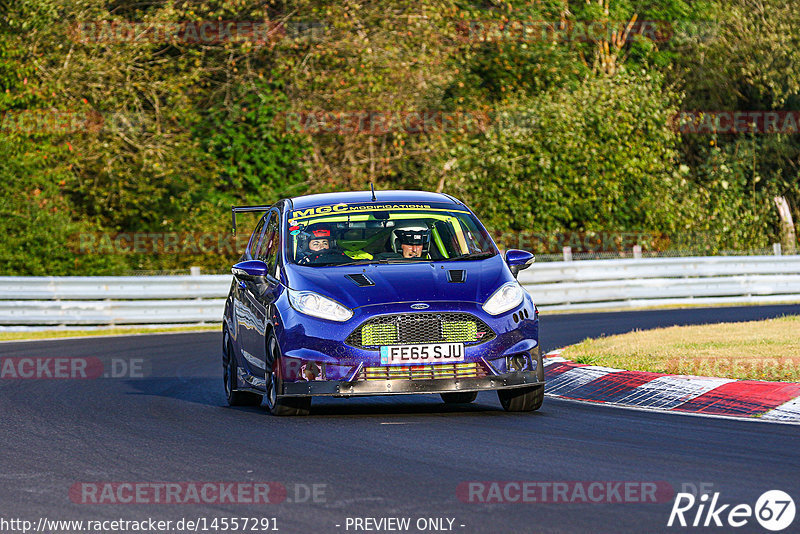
[111, 300]
[571, 285]
[630, 283]
[114, 287]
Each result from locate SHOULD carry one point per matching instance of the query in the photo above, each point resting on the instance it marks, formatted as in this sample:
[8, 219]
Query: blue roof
[355, 197]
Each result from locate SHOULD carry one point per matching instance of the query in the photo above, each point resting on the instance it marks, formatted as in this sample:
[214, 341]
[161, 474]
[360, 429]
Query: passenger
[412, 242]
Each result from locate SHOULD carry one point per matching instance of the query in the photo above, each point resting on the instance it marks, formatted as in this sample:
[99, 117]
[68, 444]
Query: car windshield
[358, 234]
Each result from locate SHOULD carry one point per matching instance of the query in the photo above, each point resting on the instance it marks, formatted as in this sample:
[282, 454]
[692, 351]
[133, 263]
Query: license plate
[432, 353]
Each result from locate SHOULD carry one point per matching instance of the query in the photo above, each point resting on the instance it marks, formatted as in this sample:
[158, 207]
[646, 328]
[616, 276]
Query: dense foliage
[548, 116]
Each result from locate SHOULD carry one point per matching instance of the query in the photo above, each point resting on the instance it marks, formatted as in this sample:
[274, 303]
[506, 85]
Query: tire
[230, 370]
[461, 397]
[276, 405]
[521, 399]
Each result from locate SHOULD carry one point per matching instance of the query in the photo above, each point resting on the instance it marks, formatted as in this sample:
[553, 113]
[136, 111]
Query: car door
[257, 298]
[245, 322]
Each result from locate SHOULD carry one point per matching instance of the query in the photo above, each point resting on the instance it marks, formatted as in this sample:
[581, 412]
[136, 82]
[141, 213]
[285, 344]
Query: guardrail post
[194, 271]
[776, 249]
[567, 253]
[637, 252]
[788, 235]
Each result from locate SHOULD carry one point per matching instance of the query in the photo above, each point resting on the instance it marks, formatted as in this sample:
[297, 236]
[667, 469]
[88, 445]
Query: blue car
[387, 293]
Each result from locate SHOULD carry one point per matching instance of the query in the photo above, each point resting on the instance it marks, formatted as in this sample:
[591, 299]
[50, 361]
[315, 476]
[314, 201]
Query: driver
[318, 244]
[317, 247]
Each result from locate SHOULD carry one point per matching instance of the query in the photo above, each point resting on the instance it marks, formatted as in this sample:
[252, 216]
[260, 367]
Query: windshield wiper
[356, 262]
[472, 256]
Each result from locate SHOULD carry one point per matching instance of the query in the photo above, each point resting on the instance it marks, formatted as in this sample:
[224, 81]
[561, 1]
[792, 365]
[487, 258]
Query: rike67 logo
[774, 510]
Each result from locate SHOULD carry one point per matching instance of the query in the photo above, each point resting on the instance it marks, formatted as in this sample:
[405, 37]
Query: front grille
[423, 372]
[416, 328]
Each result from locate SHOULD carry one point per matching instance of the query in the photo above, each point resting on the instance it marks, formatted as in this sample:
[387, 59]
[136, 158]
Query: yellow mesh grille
[416, 328]
[422, 372]
[456, 331]
[379, 334]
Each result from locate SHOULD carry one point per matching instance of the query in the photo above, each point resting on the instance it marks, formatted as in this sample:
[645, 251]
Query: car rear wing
[244, 209]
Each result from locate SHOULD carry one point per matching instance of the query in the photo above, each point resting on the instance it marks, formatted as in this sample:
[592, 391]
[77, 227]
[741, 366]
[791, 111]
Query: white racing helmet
[411, 234]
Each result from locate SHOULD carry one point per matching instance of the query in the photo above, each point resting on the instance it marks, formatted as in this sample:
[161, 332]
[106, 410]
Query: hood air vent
[360, 280]
[456, 276]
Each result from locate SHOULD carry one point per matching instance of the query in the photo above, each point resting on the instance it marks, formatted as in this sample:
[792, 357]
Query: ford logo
[420, 306]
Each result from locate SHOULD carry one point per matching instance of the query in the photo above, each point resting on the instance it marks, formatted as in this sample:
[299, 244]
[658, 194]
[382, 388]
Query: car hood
[407, 282]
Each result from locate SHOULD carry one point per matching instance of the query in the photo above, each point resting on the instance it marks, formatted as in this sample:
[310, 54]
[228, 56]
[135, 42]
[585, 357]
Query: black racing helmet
[314, 231]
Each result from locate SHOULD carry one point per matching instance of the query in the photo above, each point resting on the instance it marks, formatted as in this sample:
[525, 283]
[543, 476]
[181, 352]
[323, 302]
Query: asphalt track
[381, 457]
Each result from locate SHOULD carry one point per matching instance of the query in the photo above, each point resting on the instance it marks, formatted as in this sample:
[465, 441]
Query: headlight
[315, 304]
[507, 297]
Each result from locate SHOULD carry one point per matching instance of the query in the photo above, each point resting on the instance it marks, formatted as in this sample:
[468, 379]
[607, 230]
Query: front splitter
[406, 386]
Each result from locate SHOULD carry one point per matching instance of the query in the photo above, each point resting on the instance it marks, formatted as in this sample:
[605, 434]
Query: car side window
[268, 251]
[255, 239]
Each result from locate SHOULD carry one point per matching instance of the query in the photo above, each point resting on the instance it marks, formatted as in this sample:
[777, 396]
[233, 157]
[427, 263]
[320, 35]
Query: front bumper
[401, 387]
[307, 338]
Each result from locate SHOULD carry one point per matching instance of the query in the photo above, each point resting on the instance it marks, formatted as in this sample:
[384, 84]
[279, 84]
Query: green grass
[122, 331]
[757, 350]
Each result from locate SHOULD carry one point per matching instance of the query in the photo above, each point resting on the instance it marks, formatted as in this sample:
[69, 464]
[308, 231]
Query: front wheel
[275, 404]
[230, 370]
[521, 399]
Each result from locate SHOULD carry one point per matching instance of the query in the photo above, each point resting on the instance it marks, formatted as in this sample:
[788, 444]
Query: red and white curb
[771, 401]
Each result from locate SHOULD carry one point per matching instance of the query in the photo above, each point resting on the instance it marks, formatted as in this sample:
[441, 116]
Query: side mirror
[250, 271]
[256, 272]
[518, 260]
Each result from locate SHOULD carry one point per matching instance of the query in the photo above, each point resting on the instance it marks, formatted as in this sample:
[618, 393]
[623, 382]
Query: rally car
[388, 293]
